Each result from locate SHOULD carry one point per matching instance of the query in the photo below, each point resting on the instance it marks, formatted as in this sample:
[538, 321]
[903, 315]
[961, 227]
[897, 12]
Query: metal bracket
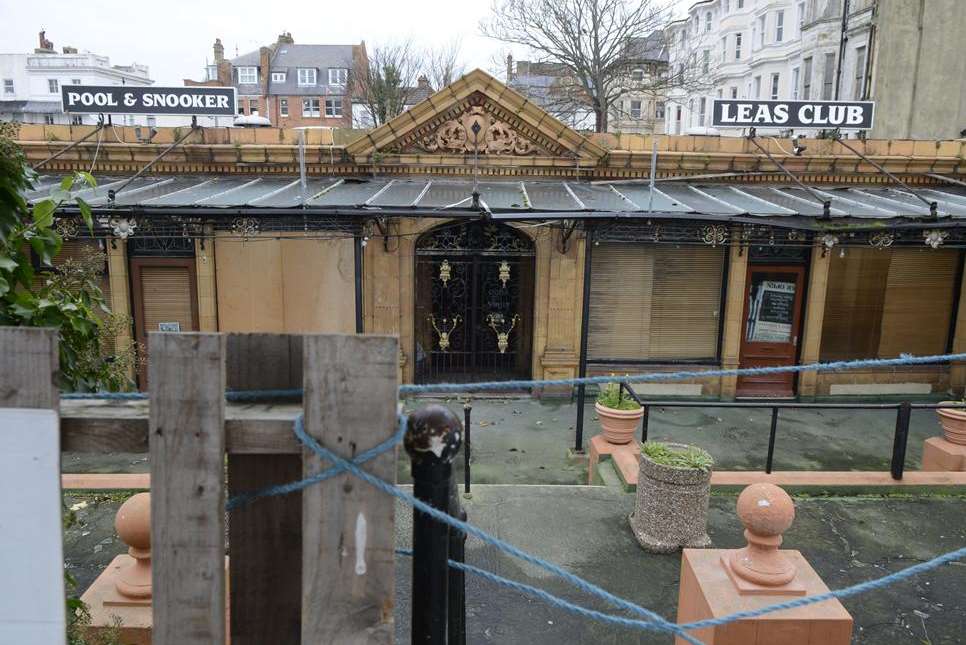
[565, 235]
[112, 194]
[826, 204]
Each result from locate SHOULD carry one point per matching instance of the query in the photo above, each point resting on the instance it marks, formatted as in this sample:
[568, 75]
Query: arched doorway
[474, 303]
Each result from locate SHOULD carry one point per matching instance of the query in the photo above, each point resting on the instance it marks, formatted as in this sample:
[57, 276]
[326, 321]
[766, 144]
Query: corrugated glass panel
[777, 196]
[290, 195]
[348, 193]
[551, 196]
[403, 192]
[143, 189]
[192, 195]
[241, 194]
[600, 197]
[695, 201]
[746, 203]
[853, 205]
[447, 193]
[640, 195]
[498, 195]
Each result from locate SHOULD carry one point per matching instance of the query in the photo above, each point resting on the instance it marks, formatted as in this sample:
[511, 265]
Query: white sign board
[31, 541]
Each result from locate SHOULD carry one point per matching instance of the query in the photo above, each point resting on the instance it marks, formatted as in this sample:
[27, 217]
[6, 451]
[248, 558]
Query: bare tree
[597, 45]
[385, 82]
[443, 65]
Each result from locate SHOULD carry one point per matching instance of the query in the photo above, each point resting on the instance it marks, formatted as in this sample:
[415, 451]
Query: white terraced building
[768, 49]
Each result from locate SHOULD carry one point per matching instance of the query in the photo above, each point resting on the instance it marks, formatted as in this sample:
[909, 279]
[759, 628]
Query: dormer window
[247, 75]
[308, 76]
[338, 76]
[278, 77]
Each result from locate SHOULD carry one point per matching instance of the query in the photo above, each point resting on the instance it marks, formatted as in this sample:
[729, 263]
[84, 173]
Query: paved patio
[584, 529]
[526, 441]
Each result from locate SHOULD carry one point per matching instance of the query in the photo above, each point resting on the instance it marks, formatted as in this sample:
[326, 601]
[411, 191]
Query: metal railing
[900, 438]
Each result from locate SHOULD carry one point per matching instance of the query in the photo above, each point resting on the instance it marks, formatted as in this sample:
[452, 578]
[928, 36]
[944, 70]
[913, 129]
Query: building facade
[473, 226]
[32, 84]
[292, 85]
[807, 50]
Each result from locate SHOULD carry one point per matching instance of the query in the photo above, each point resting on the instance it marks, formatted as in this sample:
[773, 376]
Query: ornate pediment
[476, 115]
[477, 125]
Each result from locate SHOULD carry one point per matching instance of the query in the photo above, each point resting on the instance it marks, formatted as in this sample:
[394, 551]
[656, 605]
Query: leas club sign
[735, 113]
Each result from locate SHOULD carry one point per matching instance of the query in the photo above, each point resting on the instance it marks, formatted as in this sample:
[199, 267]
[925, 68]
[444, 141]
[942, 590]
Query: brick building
[293, 85]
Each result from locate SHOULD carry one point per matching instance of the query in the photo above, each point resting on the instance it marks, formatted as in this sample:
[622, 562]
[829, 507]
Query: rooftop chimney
[509, 67]
[70, 50]
[422, 82]
[46, 46]
[286, 38]
[219, 51]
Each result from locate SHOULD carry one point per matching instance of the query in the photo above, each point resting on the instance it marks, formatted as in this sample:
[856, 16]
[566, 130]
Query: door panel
[773, 299]
[164, 295]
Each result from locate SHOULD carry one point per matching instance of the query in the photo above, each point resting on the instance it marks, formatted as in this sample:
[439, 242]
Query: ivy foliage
[32, 295]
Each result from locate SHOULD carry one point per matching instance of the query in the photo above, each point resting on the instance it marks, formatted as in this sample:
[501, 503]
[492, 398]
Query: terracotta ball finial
[133, 525]
[766, 511]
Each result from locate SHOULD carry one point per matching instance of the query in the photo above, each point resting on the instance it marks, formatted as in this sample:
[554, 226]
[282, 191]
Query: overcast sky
[174, 37]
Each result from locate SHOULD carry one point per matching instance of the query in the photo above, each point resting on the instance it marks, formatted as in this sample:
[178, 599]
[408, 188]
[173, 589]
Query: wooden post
[265, 537]
[734, 312]
[31, 544]
[348, 570]
[187, 442]
[814, 318]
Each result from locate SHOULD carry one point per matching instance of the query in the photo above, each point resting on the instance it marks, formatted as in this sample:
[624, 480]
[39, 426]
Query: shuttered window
[652, 303]
[881, 303]
[167, 297]
[77, 250]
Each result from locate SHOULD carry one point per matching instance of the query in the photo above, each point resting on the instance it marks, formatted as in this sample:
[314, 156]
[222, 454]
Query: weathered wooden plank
[266, 537]
[347, 526]
[29, 368]
[187, 439]
[31, 546]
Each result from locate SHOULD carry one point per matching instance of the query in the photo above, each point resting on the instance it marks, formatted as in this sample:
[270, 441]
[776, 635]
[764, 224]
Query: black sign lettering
[122, 99]
[735, 113]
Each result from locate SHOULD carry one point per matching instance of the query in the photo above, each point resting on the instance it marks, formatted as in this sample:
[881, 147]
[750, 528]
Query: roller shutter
[653, 303]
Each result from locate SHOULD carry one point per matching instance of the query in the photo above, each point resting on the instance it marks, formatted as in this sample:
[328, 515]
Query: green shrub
[610, 397]
[690, 457]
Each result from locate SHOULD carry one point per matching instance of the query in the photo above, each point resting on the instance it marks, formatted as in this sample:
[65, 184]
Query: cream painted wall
[292, 285]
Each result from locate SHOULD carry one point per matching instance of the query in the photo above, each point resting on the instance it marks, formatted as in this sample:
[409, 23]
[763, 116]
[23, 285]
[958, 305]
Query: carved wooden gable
[478, 125]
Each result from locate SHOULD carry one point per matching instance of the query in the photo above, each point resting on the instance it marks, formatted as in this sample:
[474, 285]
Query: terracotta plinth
[939, 454]
[120, 598]
[719, 582]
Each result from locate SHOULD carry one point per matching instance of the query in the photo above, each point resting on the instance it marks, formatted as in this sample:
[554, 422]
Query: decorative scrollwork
[67, 227]
[504, 272]
[123, 227]
[445, 272]
[935, 237]
[714, 234]
[444, 335]
[245, 226]
[881, 240]
[502, 334]
[795, 236]
[475, 131]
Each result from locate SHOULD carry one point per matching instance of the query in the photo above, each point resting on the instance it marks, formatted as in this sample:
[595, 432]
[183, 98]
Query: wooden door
[773, 303]
[164, 294]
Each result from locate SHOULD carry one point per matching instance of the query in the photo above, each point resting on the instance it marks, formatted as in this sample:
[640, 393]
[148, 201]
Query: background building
[806, 50]
[32, 82]
[293, 85]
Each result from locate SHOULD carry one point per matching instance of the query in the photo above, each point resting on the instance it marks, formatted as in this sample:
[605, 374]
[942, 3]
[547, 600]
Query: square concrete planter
[671, 510]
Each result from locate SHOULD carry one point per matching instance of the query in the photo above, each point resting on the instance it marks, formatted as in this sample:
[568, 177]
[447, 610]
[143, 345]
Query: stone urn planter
[673, 490]
[953, 422]
[619, 415]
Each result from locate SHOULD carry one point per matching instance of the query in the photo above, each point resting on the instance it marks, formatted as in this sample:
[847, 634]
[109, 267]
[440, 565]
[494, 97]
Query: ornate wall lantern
[934, 237]
[123, 227]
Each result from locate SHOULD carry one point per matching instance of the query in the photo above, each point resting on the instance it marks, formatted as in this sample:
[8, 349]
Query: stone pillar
[719, 582]
[207, 294]
[406, 255]
[120, 304]
[558, 290]
[957, 371]
[814, 318]
[382, 285]
[734, 312]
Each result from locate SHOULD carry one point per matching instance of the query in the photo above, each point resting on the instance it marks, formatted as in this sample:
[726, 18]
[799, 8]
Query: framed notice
[772, 312]
[169, 326]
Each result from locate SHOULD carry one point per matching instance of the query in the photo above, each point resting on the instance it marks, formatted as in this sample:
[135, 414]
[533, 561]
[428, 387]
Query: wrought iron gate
[474, 303]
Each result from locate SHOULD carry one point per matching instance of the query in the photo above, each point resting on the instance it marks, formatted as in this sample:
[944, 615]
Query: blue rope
[647, 377]
[659, 622]
[632, 623]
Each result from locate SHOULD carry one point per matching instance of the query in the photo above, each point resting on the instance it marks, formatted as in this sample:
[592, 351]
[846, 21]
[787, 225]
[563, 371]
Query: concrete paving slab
[584, 529]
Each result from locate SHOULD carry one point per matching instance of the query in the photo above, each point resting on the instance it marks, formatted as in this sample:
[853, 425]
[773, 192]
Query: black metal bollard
[457, 578]
[433, 438]
[901, 438]
[467, 448]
